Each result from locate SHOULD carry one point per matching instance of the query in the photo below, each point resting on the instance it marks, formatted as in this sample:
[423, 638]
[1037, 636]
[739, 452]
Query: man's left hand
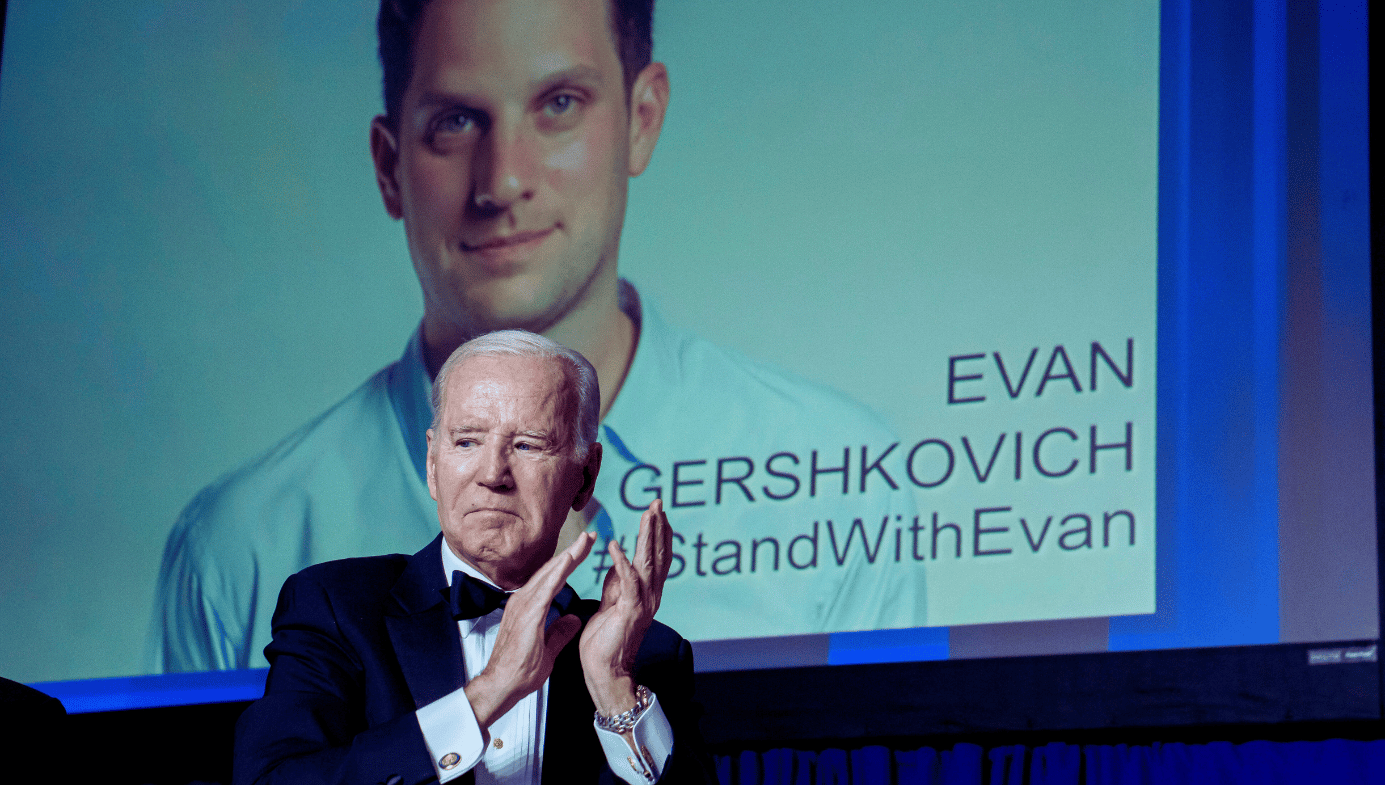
[629, 597]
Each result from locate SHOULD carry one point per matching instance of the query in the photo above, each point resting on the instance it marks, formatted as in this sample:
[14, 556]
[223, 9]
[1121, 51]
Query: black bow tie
[469, 598]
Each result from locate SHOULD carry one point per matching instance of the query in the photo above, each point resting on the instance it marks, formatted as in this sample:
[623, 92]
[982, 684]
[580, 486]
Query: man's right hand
[525, 647]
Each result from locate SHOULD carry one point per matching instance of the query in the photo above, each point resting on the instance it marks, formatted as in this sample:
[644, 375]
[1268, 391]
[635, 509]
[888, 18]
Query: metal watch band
[625, 721]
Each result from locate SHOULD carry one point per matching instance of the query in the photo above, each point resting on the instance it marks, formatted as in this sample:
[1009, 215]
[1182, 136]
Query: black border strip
[1235, 685]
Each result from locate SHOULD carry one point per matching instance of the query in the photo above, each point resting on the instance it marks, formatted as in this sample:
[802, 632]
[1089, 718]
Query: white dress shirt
[510, 751]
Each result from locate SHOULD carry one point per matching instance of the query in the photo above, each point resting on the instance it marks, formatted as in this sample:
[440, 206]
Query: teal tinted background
[196, 263]
[838, 190]
[189, 215]
[128, 252]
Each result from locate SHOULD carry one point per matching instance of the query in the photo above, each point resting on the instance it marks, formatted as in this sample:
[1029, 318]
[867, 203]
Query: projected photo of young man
[511, 129]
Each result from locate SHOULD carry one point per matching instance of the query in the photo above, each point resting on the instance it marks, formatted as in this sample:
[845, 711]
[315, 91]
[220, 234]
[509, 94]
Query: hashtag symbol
[600, 567]
[602, 555]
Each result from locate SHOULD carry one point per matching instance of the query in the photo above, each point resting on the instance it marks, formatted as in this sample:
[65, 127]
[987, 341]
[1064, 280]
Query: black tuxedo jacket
[359, 644]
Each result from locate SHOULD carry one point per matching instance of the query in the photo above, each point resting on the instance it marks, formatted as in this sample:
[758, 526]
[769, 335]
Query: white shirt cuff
[452, 734]
[643, 762]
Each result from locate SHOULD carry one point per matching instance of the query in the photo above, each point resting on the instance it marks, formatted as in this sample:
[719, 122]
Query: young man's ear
[384, 150]
[648, 102]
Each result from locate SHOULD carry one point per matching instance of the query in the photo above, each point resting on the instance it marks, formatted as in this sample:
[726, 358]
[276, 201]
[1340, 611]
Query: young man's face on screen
[511, 160]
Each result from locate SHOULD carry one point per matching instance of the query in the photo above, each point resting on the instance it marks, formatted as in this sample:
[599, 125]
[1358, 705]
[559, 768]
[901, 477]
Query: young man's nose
[505, 169]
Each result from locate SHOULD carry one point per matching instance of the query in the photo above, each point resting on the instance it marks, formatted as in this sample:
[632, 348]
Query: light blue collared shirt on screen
[777, 557]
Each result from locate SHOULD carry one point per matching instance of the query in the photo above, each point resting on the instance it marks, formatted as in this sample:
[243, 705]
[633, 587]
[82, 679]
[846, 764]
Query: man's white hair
[522, 343]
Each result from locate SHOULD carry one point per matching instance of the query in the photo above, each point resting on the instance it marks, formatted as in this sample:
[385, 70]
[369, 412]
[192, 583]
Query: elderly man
[472, 658]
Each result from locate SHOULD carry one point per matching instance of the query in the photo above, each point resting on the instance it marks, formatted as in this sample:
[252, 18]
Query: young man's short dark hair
[632, 26]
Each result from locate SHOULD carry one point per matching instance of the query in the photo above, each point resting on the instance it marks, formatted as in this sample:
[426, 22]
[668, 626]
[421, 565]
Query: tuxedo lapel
[422, 631]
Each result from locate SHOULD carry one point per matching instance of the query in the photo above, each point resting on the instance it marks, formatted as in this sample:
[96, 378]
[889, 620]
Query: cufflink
[449, 761]
[498, 743]
[639, 767]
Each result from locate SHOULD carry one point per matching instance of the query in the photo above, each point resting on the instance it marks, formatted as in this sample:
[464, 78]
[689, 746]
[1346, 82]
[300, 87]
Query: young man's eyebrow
[432, 99]
[577, 74]
[580, 74]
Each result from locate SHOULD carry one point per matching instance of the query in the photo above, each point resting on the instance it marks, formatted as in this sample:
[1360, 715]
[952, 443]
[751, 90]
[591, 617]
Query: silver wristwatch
[626, 720]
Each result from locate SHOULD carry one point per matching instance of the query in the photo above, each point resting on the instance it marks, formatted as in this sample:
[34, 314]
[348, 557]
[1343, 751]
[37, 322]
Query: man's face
[511, 161]
[501, 464]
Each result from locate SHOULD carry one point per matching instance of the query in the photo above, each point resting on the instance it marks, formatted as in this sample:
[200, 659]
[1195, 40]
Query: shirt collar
[452, 562]
[653, 372]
